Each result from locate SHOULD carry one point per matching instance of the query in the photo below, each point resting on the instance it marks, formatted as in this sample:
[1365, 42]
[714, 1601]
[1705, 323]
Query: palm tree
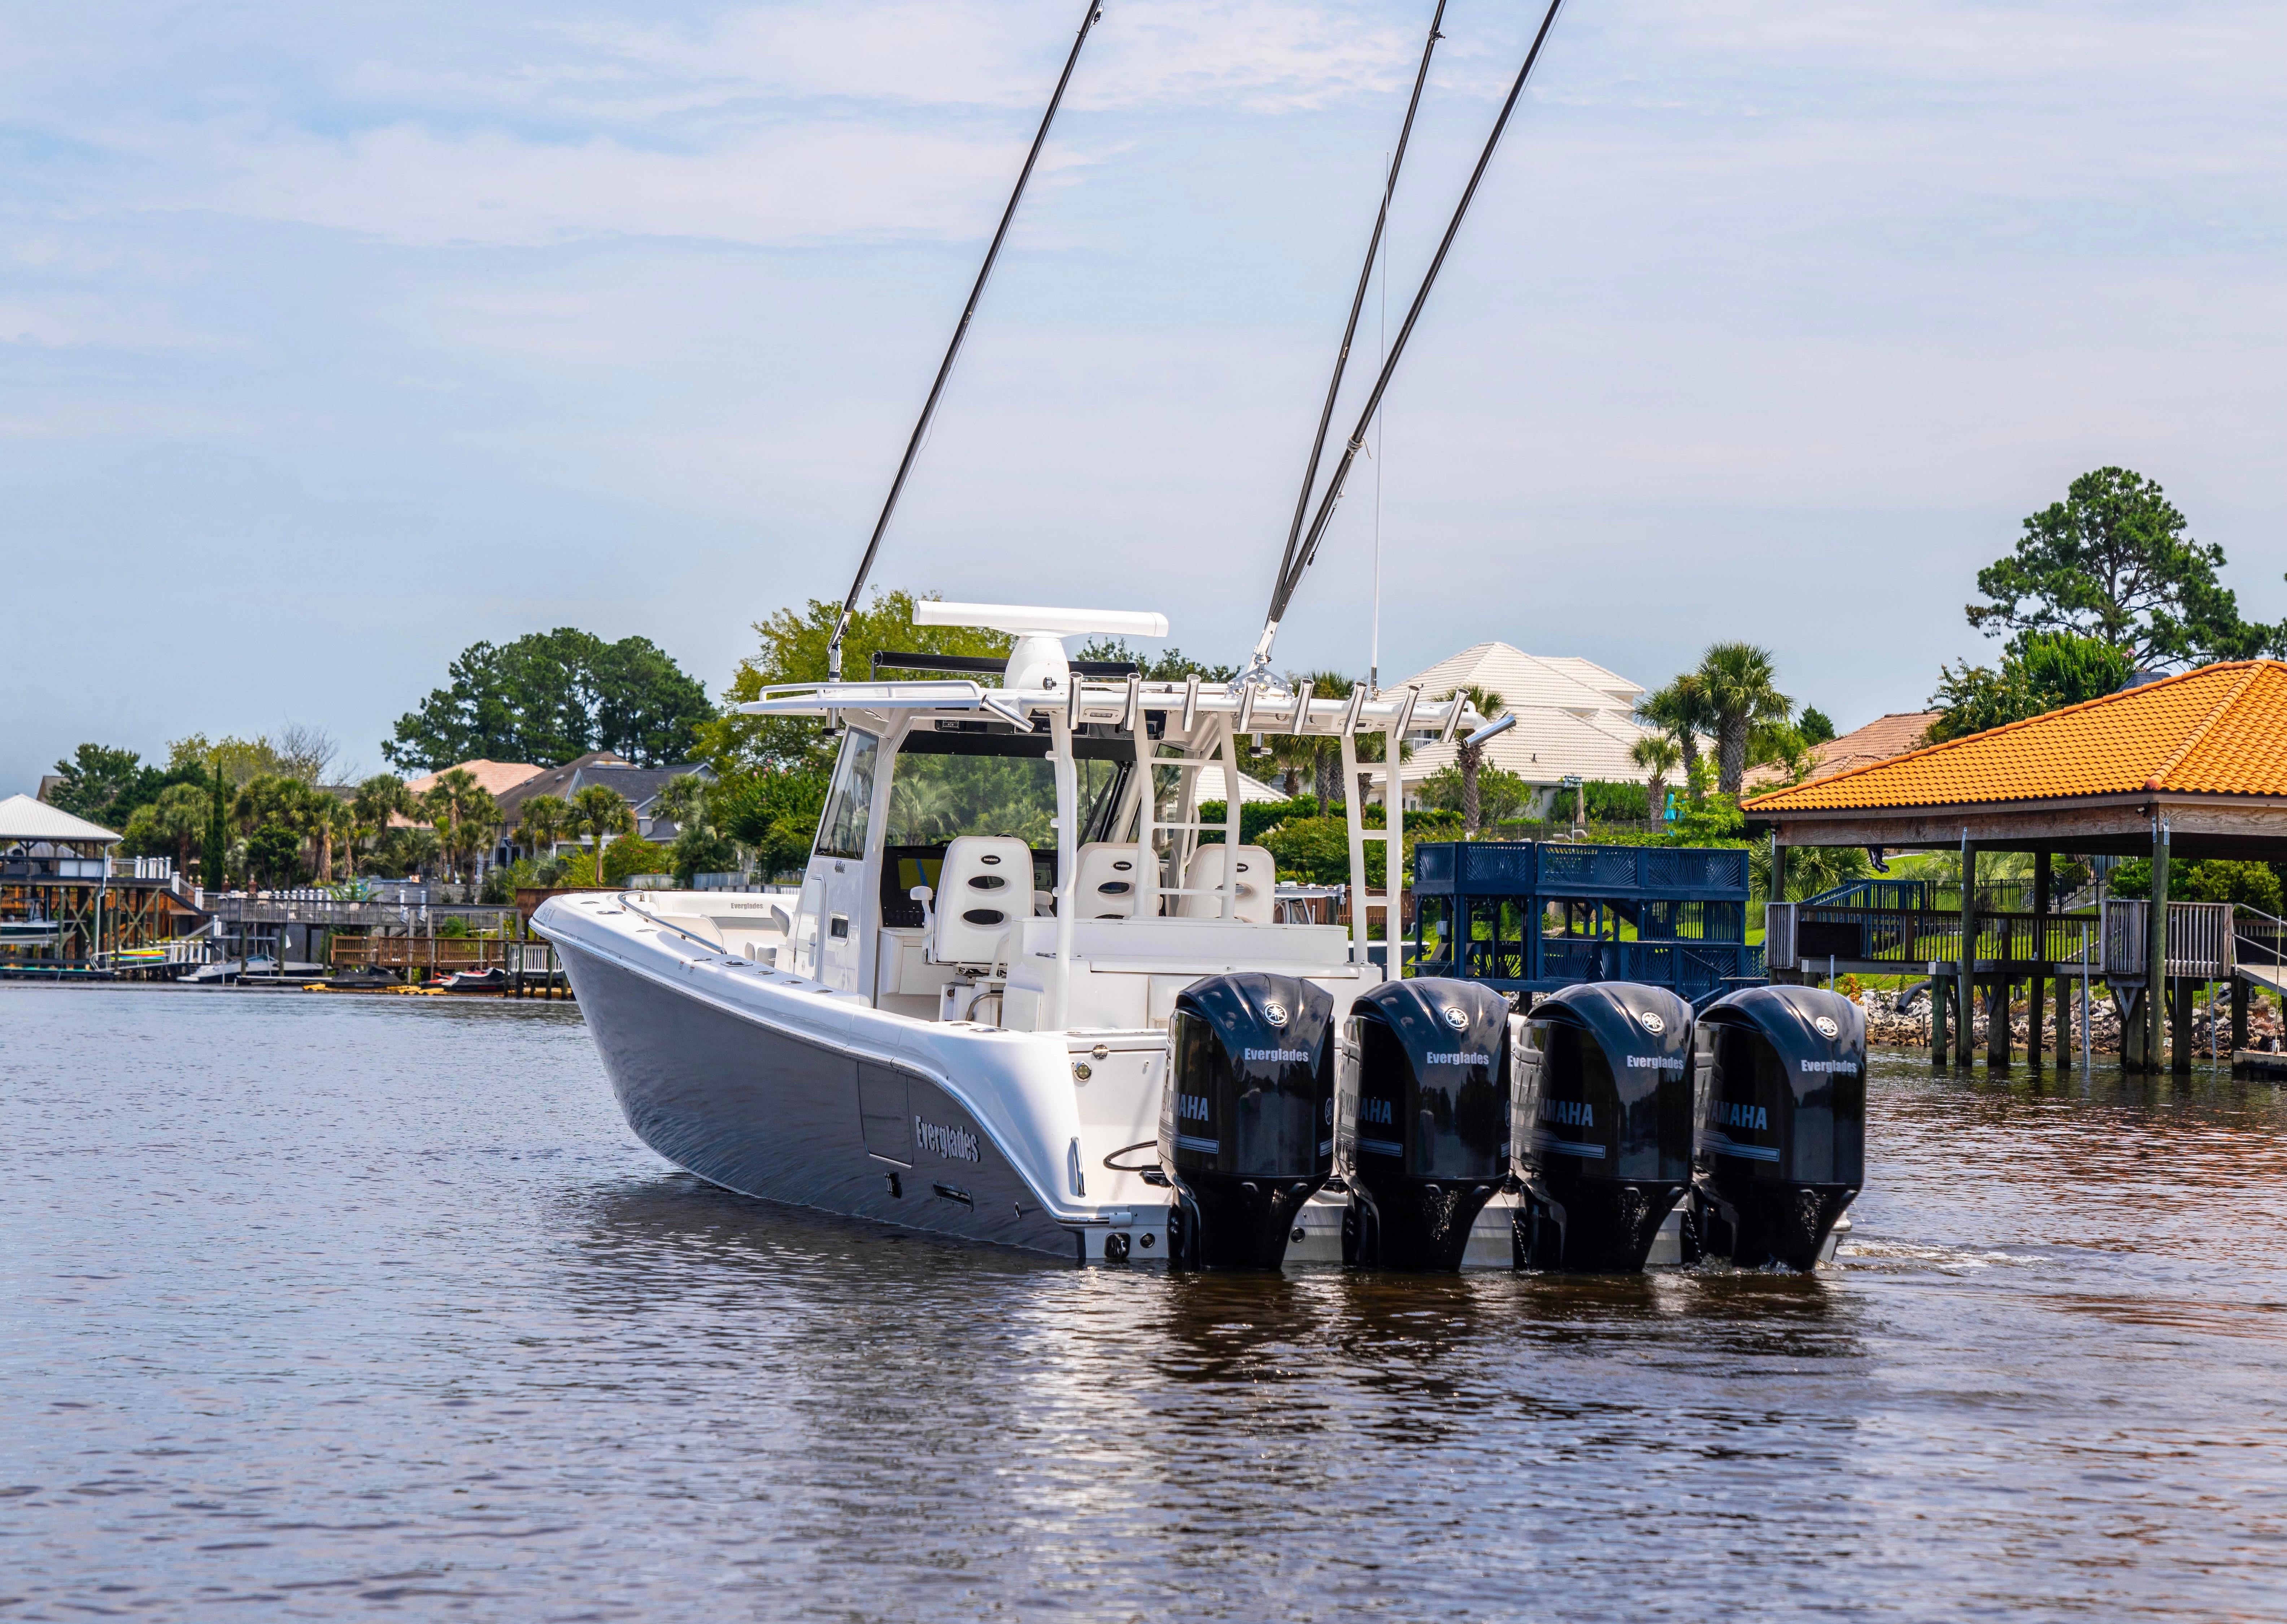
[180, 815]
[274, 801]
[374, 803]
[1739, 679]
[463, 813]
[1680, 710]
[1325, 751]
[540, 822]
[1657, 754]
[682, 800]
[601, 812]
[336, 821]
[1470, 757]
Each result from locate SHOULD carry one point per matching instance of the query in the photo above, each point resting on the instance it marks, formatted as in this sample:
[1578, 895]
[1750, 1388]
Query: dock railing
[2257, 939]
[2200, 938]
[443, 953]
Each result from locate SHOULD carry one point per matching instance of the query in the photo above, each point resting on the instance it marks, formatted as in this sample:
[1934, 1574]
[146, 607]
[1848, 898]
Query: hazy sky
[334, 338]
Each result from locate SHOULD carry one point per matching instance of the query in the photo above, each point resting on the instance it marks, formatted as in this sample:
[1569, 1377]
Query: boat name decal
[1279, 1054]
[1829, 1065]
[953, 1143]
[1656, 1063]
[1458, 1057]
[1571, 1112]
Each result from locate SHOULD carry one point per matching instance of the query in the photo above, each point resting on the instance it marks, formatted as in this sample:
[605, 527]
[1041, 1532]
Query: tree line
[2100, 586]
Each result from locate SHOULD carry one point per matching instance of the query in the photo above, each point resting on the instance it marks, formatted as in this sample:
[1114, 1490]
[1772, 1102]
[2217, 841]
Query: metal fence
[2200, 937]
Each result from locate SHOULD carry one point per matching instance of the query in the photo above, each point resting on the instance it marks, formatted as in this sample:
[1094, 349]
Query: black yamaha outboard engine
[1782, 1123]
[1603, 1125]
[1246, 1120]
[1431, 1122]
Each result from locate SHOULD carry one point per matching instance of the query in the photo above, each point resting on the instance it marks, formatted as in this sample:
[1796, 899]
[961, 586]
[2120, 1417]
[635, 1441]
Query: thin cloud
[412, 185]
[89, 320]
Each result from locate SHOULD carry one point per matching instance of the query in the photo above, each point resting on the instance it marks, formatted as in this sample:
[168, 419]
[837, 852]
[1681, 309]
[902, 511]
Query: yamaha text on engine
[1603, 1125]
[1246, 1128]
[1783, 1134]
[1431, 1120]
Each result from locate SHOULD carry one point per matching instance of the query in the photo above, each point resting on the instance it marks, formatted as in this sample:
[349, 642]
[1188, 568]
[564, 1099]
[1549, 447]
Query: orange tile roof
[2219, 730]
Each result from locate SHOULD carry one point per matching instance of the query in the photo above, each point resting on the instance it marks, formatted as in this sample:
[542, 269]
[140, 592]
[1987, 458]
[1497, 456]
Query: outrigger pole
[1357, 303]
[1292, 568]
[1089, 17]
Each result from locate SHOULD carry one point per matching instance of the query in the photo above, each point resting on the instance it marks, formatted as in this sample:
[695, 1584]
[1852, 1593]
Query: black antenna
[1357, 303]
[1290, 575]
[1090, 18]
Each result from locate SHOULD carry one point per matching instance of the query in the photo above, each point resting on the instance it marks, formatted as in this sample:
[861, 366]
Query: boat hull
[770, 1113]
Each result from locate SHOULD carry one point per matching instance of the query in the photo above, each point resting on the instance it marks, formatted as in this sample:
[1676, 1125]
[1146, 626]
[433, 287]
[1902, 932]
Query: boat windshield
[939, 793]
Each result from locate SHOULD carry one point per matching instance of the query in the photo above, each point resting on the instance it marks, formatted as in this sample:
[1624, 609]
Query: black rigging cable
[1291, 569]
[1092, 15]
[1357, 300]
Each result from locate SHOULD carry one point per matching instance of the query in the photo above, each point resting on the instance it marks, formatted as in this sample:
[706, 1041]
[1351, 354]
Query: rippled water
[326, 1306]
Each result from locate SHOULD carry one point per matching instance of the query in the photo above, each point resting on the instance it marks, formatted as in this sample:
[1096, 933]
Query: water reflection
[318, 1299]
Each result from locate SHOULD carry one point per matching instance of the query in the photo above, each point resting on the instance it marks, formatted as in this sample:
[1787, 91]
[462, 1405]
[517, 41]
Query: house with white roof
[1574, 718]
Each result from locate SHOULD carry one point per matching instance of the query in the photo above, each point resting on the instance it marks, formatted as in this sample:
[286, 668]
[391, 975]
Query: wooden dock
[2259, 1066]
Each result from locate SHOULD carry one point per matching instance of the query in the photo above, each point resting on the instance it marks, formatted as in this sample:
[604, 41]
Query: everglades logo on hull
[953, 1143]
[1277, 1055]
[1456, 1056]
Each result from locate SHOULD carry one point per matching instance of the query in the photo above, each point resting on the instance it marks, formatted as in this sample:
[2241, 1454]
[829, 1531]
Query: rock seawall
[1891, 1026]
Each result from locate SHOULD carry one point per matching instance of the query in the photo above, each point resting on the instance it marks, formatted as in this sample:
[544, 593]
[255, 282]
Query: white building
[1574, 718]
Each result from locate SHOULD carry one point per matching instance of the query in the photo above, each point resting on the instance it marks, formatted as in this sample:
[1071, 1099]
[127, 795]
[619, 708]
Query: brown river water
[335, 1307]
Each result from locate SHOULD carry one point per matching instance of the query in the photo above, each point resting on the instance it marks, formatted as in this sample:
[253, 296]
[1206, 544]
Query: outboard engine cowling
[1603, 1125]
[1782, 1147]
[1246, 1120]
[1431, 1122]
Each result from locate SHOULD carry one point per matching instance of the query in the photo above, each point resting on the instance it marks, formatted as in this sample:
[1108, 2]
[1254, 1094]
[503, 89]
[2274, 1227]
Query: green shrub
[2249, 885]
[1256, 819]
[1616, 802]
[699, 850]
[1312, 851]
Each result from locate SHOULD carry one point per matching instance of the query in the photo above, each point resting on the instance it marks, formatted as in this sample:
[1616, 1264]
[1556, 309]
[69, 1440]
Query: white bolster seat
[1109, 880]
[983, 891]
[1258, 885]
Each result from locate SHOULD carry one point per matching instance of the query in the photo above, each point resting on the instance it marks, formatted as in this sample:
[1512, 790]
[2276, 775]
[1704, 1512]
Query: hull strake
[768, 1113]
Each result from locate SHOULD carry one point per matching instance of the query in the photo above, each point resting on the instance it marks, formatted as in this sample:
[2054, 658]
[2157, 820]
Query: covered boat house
[69, 907]
[2190, 767]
